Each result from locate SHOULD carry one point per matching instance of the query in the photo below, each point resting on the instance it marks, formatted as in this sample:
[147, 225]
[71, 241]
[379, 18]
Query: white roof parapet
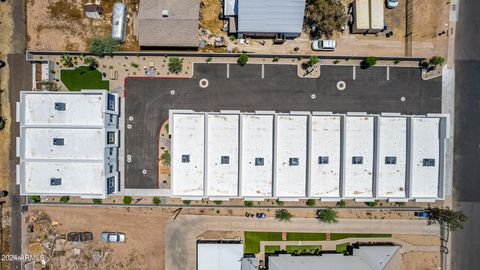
[291, 155]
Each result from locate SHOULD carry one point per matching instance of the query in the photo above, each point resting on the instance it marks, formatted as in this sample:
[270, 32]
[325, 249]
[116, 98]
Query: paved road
[466, 243]
[180, 234]
[277, 88]
[20, 79]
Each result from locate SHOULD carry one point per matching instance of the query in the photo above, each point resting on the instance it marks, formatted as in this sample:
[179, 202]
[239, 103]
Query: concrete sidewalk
[181, 234]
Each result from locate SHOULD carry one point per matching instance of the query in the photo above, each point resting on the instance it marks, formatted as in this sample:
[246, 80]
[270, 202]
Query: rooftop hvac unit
[164, 13]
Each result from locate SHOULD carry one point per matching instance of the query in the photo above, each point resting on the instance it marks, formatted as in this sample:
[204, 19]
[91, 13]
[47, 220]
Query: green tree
[328, 15]
[328, 215]
[276, 59]
[369, 62]
[97, 201]
[311, 202]
[453, 219]
[156, 200]
[187, 202]
[248, 203]
[313, 60]
[283, 215]
[102, 46]
[65, 199]
[436, 60]
[279, 203]
[342, 203]
[175, 65]
[242, 59]
[165, 158]
[127, 200]
[34, 199]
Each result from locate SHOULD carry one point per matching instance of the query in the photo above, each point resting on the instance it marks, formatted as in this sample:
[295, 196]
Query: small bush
[91, 62]
[311, 202]
[97, 201]
[242, 59]
[336, 61]
[372, 204]
[217, 202]
[313, 60]
[156, 200]
[134, 65]
[327, 215]
[342, 203]
[396, 61]
[103, 46]
[34, 199]
[3, 122]
[187, 202]
[279, 203]
[232, 38]
[248, 203]
[400, 204]
[283, 215]
[127, 200]
[209, 59]
[67, 60]
[175, 65]
[436, 61]
[65, 199]
[276, 59]
[369, 62]
[165, 158]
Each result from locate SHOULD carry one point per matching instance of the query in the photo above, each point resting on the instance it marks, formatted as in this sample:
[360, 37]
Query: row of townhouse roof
[297, 155]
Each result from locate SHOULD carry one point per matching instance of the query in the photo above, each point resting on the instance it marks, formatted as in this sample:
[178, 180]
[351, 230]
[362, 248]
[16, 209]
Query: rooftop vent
[293, 161]
[185, 158]
[357, 160]
[259, 161]
[390, 160]
[322, 160]
[225, 160]
[58, 141]
[164, 13]
[60, 106]
[55, 181]
[428, 162]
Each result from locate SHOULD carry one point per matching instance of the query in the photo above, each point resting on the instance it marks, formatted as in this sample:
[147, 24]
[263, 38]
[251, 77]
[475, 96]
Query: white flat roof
[362, 14]
[393, 144]
[78, 144]
[425, 145]
[77, 177]
[291, 143]
[188, 177]
[81, 109]
[257, 142]
[325, 142]
[219, 256]
[376, 16]
[222, 179]
[359, 143]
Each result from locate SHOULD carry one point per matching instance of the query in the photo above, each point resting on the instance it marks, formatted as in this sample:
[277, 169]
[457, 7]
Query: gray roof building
[270, 17]
[168, 23]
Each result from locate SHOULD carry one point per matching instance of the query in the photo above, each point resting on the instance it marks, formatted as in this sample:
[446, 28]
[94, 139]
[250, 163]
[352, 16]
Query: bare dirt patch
[61, 24]
[420, 260]
[209, 11]
[144, 230]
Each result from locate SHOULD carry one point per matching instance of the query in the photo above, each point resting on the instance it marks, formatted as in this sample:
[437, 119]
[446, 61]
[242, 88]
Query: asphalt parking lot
[264, 87]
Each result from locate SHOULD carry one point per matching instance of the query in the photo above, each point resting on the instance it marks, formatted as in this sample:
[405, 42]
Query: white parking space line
[228, 70]
[388, 73]
[354, 69]
[263, 71]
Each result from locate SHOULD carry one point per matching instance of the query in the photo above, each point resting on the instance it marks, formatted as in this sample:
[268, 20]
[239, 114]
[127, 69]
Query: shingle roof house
[168, 23]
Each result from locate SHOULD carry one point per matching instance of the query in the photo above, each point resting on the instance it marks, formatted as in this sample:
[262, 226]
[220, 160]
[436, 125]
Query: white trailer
[119, 21]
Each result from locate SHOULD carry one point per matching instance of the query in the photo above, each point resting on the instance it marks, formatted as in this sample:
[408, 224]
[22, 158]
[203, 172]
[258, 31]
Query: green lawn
[339, 236]
[305, 236]
[272, 249]
[302, 249]
[342, 247]
[82, 78]
[252, 240]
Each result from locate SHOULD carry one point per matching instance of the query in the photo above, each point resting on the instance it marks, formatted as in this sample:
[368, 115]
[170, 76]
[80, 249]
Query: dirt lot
[420, 261]
[61, 24]
[144, 229]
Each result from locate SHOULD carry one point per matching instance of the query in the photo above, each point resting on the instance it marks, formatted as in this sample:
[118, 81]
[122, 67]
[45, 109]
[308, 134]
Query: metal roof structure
[219, 256]
[298, 155]
[271, 16]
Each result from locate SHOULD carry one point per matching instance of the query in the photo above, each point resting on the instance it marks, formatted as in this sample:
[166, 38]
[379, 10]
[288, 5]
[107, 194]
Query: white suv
[324, 45]
[392, 3]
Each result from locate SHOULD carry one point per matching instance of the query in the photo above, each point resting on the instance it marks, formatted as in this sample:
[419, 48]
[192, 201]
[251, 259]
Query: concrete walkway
[181, 234]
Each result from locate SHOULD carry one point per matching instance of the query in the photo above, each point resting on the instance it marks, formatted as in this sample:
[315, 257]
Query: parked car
[260, 215]
[392, 3]
[422, 214]
[324, 45]
[2, 64]
[79, 236]
[113, 237]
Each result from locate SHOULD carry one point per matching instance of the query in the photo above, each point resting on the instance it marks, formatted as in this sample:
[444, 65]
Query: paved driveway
[264, 87]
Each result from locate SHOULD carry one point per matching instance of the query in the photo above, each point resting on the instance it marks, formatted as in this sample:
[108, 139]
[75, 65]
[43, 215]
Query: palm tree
[283, 215]
[327, 215]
